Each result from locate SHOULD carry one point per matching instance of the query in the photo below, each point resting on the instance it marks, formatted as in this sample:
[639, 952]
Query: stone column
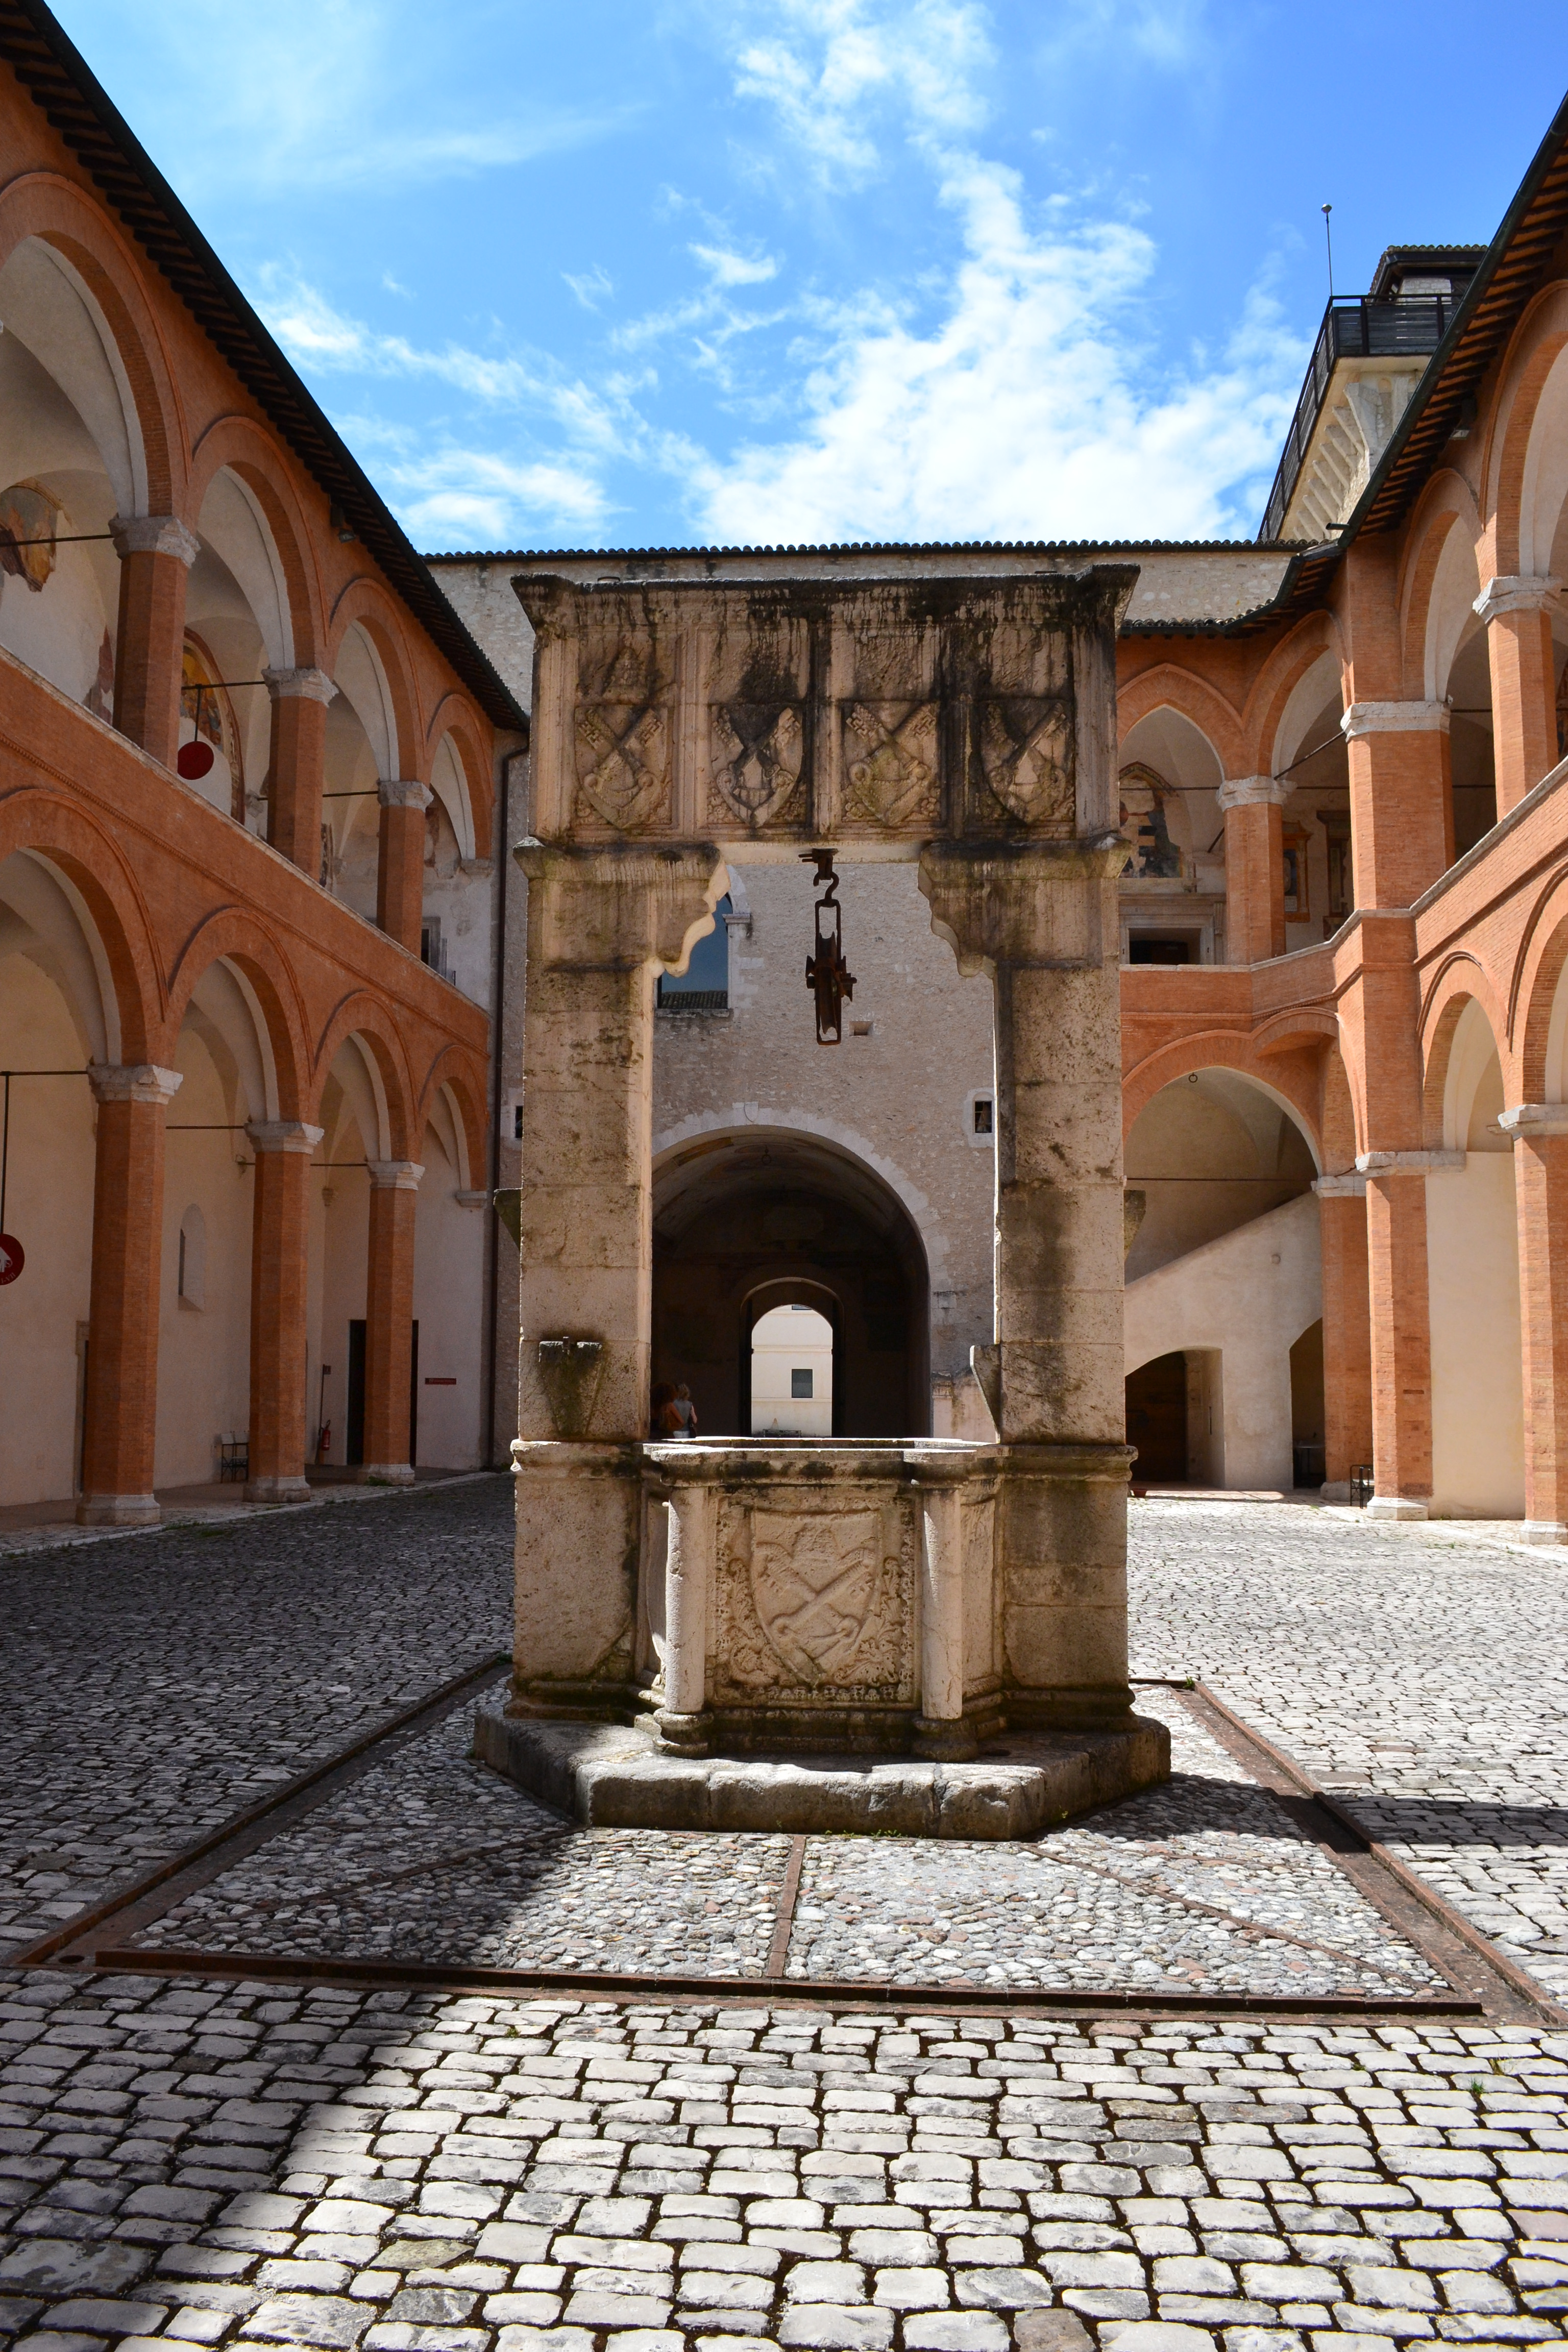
[157, 552]
[1402, 799]
[280, 1235]
[389, 1320]
[1254, 867]
[1539, 1132]
[122, 1404]
[400, 875]
[687, 1581]
[298, 763]
[1041, 919]
[1347, 1331]
[1518, 615]
[940, 1730]
[601, 922]
[1401, 1331]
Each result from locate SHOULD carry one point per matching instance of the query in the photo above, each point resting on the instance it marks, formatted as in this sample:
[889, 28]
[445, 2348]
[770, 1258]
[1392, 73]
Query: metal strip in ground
[746, 1991]
[784, 1928]
[1442, 1936]
[159, 1889]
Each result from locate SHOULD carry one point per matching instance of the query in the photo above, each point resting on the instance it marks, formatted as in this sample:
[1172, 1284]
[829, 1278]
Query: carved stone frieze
[1025, 750]
[890, 762]
[757, 751]
[816, 1605]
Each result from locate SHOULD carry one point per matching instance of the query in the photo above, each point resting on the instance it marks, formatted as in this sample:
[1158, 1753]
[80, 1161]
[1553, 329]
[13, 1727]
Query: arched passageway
[749, 1222]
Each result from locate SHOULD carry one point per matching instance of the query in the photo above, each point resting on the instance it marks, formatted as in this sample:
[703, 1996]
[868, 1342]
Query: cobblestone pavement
[1423, 1678]
[195, 2165]
[1203, 1884]
[155, 1685]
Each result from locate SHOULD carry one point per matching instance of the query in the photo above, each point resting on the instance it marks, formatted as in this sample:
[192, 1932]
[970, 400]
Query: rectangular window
[1142, 949]
[984, 1113]
[800, 1383]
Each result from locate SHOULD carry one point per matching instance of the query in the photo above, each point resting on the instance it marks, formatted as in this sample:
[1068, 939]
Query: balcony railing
[1411, 326]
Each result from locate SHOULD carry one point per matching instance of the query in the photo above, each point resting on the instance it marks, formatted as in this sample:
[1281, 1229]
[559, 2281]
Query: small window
[517, 1123]
[1141, 949]
[799, 1382]
[984, 1115]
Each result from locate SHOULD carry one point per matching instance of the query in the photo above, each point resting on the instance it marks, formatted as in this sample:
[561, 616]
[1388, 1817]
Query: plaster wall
[1244, 1297]
[48, 1209]
[204, 1349]
[345, 1258]
[449, 1307]
[782, 1341]
[1478, 1398]
[900, 1095]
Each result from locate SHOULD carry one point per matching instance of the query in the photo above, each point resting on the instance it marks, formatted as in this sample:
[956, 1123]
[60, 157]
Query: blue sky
[646, 272]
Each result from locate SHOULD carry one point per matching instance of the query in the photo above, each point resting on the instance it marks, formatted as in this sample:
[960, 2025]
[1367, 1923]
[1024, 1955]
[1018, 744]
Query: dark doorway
[746, 1222]
[353, 1426]
[1157, 1421]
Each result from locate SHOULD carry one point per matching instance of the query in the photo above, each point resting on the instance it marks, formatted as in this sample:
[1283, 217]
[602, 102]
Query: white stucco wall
[1478, 1398]
[1247, 1297]
[204, 1352]
[449, 1309]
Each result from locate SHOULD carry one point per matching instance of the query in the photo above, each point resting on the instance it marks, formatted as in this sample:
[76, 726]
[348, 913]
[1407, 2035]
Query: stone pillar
[1401, 1331]
[298, 763]
[1254, 867]
[1402, 799]
[389, 1320]
[400, 875]
[687, 1581]
[1518, 615]
[1347, 1331]
[280, 1235]
[157, 552]
[1539, 1132]
[1041, 919]
[122, 1404]
[600, 922]
[940, 1730]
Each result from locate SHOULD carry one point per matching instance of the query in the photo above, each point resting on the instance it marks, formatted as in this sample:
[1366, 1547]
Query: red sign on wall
[13, 1258]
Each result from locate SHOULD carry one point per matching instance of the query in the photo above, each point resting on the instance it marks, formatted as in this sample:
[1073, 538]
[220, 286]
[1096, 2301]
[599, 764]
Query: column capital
[396, 1175]
[472, 1200]
[154, 535]
[1526, 1122]
[139, 1082]
[1407, 1163]
[1351, 1186]
[1517, 592]
[395, 792]
[1022, 903]
[1254, 791]
[1394, 718]
[284, 1135]
[299, 684]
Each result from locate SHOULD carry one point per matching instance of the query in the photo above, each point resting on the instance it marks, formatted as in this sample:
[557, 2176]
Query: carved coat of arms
[890, 760]
[622, 761]
[757, 757]
[815, 1585]
[1026, 751]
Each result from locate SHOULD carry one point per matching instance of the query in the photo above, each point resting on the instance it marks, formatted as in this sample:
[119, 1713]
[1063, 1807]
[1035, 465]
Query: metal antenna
[1329, 241]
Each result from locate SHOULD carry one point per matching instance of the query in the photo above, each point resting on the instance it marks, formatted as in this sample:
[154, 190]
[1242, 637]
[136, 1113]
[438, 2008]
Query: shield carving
[889, 757]
[1025, 750]
[757, 750]
[815, 1584]
[623, 761]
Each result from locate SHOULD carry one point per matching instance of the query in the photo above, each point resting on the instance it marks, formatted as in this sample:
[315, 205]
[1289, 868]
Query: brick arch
[44, 205]
[1338, 1116]
[241, 938]
[1286, 666]
[1460, 981]
[89, 858]
[1538, 998]
[1537, 341]
[366, 603]
[242, 448]
[1219, 1049]
[365, 1016]
[1168, 687]
[1446, 506]
[454, 718]
[465, 1080]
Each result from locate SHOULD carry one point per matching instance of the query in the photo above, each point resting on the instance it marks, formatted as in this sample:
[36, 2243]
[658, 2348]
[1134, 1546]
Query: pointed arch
[239, 447]
[109, 899]
[362, 1015]
[243, 940]
[1185, 691]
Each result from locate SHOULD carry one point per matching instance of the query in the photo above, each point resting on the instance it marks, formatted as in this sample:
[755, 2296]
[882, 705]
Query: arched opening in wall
[794, 1343]
[748, 1222]
[1307, 1406]
[237, 624]
[352, 1115]
[70, 457]
[1173, 1419]
[1543, 519]
[1472, 1273]
[362, 752]
[1172, 890]
[1311, 756]
[1213, 1150]
[1470, 695]
[57, 1013]
[454, 903]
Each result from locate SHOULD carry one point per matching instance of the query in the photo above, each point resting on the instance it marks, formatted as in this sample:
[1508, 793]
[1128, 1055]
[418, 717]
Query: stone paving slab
[1419, 1673]
[1204, 1884]
[188, 2164]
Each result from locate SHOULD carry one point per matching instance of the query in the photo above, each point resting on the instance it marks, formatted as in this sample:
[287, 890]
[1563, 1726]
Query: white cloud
[467, 497]
[1019, 413]
[734, 269]
[591, 287]
[828, 68]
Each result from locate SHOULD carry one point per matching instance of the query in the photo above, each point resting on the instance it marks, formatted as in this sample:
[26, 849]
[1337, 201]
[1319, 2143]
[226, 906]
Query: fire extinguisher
[324, 1442]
